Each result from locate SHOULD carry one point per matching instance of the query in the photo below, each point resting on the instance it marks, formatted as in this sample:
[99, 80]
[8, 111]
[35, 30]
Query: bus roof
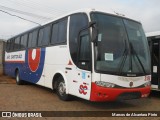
[152, 34]
[86, 10]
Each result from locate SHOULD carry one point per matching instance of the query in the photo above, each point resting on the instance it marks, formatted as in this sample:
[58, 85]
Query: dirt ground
[36, 98]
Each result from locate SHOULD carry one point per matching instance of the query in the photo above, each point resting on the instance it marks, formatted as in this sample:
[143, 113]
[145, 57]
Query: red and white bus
[91, 54]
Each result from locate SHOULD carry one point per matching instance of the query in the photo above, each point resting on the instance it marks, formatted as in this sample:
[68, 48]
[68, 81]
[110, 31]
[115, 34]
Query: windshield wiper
[132, 49]
[122, 62]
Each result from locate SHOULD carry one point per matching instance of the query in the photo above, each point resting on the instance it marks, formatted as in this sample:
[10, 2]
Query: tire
[18, 81]
[61, 89]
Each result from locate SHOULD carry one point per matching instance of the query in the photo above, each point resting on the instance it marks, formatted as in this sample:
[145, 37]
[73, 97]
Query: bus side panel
[13, 61]
[56, 62]
[9, 69]
[30, 64]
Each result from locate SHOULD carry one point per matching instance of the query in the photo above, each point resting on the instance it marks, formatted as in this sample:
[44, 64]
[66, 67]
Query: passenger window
[16, 44]
[59, 32]
[24, 41]
[8, 45]
[62, 35]
[44, 36]
[54, 34]
[40, 37]
[12, 44]
[32, 41]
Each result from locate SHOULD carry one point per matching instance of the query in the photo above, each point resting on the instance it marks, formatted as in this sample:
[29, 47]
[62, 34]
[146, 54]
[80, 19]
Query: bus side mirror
[93, 24]
[94, 35]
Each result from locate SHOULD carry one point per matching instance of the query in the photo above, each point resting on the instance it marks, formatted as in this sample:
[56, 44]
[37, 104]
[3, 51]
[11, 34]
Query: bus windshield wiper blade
[137, 58]
[124, 58]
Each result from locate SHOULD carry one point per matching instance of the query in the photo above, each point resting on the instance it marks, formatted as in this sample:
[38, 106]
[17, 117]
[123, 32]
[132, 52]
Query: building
[2, 43]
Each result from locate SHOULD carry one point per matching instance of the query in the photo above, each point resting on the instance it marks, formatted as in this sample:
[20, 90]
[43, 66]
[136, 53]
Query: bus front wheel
[61, 90]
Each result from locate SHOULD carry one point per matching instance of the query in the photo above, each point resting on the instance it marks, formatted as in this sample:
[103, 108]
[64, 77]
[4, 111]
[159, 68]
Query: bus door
[155, 64]
[80, 75]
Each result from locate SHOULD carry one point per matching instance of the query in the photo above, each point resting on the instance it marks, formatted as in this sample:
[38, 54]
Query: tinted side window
[59, 32]
[54, 38]
[62, 32]
[44, 36]
[40, 37]
[32, 41]
[24, 41]
[77, 22]
[16, 44]
[12, 45]
[8, 45]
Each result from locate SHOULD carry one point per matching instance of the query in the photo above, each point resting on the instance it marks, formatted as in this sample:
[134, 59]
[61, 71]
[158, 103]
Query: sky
[41, 11]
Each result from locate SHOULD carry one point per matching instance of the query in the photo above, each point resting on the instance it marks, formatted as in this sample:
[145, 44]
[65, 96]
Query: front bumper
[99, 93]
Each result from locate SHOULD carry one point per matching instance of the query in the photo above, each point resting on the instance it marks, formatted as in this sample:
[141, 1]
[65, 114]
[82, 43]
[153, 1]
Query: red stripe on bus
[15, 61]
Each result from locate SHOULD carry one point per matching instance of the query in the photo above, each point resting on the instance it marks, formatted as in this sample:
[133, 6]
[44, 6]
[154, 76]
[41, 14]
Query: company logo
[131, 84]
[34, 59]
[82, 89]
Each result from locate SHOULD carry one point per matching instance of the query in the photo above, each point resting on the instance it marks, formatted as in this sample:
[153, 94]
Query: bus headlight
[105, 84]
[147, 84]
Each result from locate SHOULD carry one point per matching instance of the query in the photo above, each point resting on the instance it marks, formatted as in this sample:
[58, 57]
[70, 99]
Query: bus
[154, 43]
[91, 54]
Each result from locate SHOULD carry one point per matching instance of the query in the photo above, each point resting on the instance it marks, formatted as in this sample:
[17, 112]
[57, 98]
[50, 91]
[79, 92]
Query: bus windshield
[121, 46]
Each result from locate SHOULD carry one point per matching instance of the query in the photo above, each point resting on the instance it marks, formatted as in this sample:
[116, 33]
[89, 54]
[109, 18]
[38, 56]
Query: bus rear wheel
[18, 80]
[61, 90]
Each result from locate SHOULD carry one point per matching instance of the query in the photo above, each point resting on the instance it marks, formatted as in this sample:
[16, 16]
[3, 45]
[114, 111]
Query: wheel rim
[17, 77]
[62, 88]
